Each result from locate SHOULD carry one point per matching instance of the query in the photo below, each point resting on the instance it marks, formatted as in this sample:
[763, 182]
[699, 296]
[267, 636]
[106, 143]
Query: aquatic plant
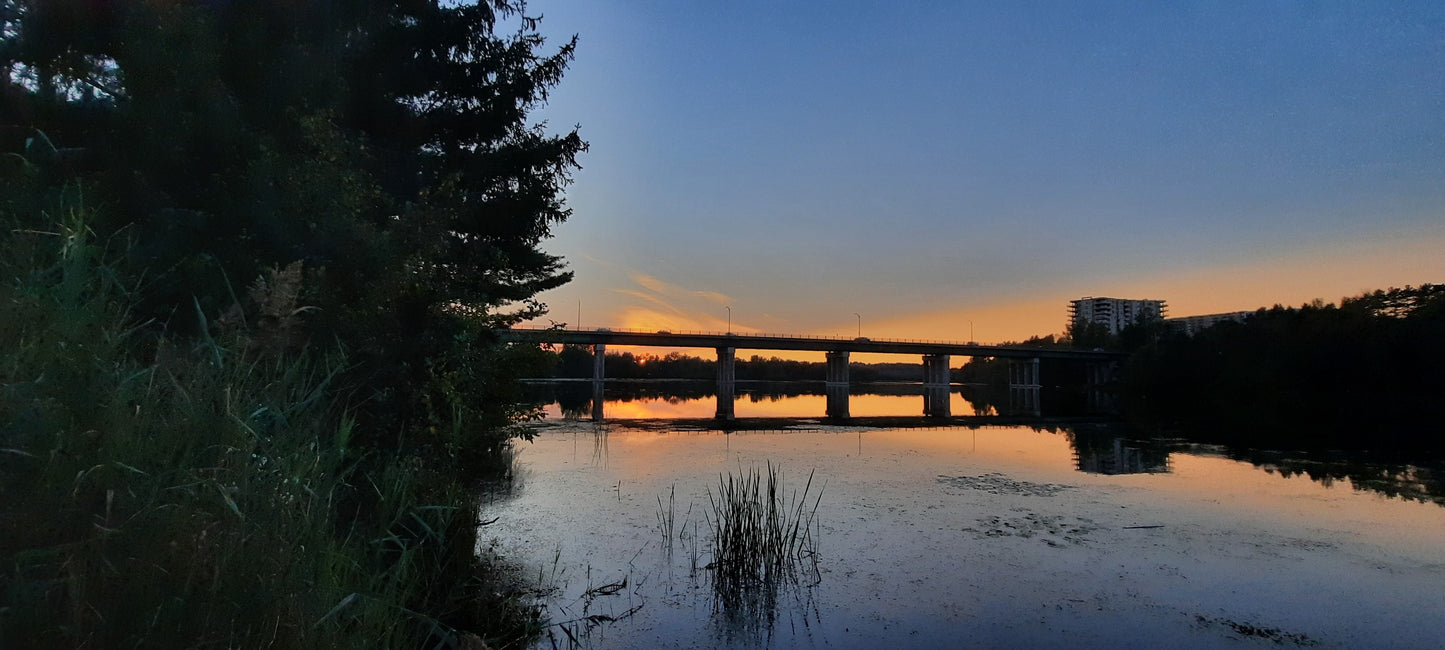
[666, 515]
[761, 535]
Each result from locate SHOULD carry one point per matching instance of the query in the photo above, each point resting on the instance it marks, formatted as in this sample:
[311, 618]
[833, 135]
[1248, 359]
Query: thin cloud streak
[651, 299]
[654, 304]
[655, 285]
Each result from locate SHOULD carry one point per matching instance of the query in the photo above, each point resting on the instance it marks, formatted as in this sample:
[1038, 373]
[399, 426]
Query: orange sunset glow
[1329, 272]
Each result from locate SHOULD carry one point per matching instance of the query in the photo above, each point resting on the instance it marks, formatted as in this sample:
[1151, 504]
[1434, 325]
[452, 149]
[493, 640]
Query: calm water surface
[960, 537]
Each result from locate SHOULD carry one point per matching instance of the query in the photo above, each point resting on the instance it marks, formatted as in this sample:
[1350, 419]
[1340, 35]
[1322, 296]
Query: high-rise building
[1114, 313]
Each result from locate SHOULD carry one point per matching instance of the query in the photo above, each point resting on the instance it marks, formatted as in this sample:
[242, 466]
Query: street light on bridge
[860, 325]
[730, 317]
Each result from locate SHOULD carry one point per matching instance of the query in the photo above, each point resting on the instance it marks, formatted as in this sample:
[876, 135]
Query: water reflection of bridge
[1100, 449]
[1100, 445]
[850, 404]
[1023, 373]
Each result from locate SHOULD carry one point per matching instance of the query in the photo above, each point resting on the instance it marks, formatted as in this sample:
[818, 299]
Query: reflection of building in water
[1114, 313]
[1190, 325]
[1101, 453]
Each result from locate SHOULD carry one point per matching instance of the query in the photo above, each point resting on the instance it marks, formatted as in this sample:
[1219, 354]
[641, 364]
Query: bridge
[1023, 361]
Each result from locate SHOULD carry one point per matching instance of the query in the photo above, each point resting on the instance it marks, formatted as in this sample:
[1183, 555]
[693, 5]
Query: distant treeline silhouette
[1363, 374]
[1366, 373]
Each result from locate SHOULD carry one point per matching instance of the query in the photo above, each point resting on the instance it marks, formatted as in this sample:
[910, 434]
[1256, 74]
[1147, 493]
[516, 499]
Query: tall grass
[761, 534]
[165, 493]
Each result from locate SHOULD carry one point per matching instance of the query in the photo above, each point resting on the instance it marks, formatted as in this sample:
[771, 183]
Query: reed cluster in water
[761, 535]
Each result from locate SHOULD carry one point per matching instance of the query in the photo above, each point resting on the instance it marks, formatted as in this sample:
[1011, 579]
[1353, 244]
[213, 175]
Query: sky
[961, 170]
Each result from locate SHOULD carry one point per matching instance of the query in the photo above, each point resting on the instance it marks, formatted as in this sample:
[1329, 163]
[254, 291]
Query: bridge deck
[785, 342]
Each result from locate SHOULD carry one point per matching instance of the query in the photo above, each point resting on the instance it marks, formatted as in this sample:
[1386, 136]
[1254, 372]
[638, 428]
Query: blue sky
[927, 164]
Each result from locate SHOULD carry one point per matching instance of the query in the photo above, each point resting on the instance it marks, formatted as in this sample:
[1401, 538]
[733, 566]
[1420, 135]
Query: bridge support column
[1098, 374]
[726, 382]
[837, 403]
[935, 370]
[936, 401]
[599, 362]
[598, 398]
[1023, 374]
[838, 368]
[1101, 399]
[936, 385]
[1023, 387]
[599, 378]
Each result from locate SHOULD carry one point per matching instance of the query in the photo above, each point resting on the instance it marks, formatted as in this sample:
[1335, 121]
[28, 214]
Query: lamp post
[730, 317]
[860, 325]
[970, 331]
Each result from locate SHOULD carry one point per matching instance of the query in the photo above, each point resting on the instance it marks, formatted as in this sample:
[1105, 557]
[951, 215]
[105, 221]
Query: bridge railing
[810, 337]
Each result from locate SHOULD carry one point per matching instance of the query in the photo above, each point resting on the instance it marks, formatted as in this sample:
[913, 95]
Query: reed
[761, 534]
[667, 516]
[164, 493]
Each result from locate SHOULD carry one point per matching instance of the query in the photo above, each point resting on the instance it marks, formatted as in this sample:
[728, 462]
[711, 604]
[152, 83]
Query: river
[1057, 534]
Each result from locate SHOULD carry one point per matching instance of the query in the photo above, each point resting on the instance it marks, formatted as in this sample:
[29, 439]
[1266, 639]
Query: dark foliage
[385, 145]
[1363, 374]
[302, 181]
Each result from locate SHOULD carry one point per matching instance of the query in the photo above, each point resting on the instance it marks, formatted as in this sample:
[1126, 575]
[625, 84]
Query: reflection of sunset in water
[997, 520]
[767, 406]
[658, 408]
[643, 408]
[813, 406]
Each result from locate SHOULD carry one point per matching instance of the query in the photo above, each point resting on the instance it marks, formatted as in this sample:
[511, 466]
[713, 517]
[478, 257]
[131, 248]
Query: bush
[165, 493]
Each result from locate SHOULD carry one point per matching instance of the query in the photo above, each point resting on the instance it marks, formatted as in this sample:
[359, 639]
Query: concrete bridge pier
[837, 401]
[1023, 374]
[599, 362]
[838, 368]
[598, 398]
[935, 370]
[1024, 387]
[936, 401]
[599, 377]
[1100, 398]
[836, 387]
[726, 382]
[1024, 401]
[936, 385]
[1095, 375]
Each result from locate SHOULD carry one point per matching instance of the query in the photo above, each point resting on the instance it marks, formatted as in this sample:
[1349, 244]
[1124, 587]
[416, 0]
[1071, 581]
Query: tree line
[1360, 374]
[253, 253]
[1364, 373]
